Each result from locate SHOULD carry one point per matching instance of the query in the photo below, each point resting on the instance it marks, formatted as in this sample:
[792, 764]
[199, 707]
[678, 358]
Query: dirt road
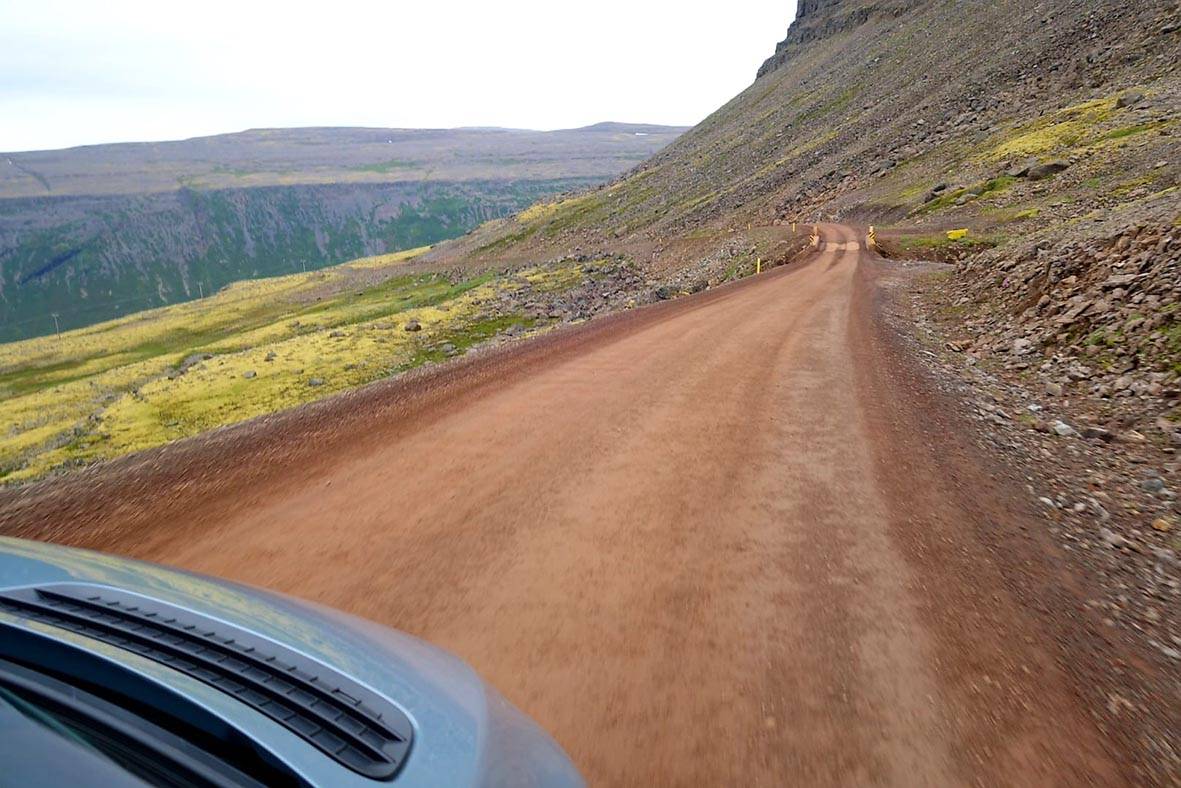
[715, 543]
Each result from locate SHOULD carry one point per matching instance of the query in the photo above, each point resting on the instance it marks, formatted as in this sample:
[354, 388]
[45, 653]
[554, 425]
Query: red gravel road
[711, 542]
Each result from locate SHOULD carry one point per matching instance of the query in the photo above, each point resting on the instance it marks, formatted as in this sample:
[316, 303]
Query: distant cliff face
[819, 19]
[100, 231]
[90, 258]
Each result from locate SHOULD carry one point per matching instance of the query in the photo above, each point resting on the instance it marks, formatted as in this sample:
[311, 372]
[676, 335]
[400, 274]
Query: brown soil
[718, 541]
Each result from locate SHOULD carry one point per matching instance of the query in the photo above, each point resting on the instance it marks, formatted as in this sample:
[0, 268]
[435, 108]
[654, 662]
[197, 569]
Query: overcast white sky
[74, 72]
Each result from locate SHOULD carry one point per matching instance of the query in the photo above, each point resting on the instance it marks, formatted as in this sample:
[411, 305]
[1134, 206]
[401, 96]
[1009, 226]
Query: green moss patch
[255, 348]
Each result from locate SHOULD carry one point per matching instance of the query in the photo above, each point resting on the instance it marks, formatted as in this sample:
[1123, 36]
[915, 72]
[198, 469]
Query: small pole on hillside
[201, 289]
[56, 327]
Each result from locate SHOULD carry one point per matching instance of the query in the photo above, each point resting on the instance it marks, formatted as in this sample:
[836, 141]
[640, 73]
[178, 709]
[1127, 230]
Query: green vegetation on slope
[87, 260]
[255, 348]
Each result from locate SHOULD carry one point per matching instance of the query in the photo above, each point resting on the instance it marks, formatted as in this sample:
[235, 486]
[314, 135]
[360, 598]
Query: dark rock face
[819, 19]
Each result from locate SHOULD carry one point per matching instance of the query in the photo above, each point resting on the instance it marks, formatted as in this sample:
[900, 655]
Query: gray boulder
[1047, 170]
[1130, 99]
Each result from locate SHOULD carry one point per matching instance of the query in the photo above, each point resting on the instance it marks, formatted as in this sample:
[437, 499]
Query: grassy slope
[254, 348]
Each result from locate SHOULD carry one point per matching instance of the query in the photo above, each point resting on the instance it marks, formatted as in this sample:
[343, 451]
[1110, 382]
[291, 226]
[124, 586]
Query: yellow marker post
[759, 266]
[873, 238]
[793, 228]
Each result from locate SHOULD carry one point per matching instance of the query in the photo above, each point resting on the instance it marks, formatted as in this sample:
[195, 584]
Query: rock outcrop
[818, 19]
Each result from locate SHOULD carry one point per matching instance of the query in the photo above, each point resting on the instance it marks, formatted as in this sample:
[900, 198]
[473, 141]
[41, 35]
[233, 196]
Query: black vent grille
[344, 720]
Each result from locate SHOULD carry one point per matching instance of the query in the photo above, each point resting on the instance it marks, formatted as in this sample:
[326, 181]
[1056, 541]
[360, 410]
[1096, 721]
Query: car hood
[465, 733]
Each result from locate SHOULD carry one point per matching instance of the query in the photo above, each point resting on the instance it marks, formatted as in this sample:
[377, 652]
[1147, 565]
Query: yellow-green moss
[252, 349]
[382, 260]
[1065, 128]
[1078, 129]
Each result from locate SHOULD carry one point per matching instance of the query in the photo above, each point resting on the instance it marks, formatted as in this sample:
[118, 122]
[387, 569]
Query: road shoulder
[940, 453]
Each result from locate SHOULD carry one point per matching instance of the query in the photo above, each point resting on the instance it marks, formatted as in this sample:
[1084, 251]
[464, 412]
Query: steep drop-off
[92, 233]
[87, 259]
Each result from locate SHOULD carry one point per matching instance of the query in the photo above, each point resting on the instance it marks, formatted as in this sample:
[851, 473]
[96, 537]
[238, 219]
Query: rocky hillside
[867, 107]
[96, 232]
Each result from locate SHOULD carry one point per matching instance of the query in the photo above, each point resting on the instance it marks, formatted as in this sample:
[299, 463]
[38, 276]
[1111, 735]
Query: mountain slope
[867, 106]
[100, 231]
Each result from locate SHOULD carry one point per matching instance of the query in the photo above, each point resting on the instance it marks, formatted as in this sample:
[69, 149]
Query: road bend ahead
[717, 542]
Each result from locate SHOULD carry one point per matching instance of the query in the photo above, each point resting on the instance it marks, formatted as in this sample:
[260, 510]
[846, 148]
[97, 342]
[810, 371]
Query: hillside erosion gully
[725, 534]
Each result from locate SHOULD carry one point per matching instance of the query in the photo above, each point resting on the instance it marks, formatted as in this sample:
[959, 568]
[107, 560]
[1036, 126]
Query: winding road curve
[720, 541]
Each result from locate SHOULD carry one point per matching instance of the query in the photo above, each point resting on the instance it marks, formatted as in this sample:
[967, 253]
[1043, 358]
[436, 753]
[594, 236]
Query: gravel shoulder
[1097, 494]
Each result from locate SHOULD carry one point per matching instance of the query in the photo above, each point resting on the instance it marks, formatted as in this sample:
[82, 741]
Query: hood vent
[344, 720]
